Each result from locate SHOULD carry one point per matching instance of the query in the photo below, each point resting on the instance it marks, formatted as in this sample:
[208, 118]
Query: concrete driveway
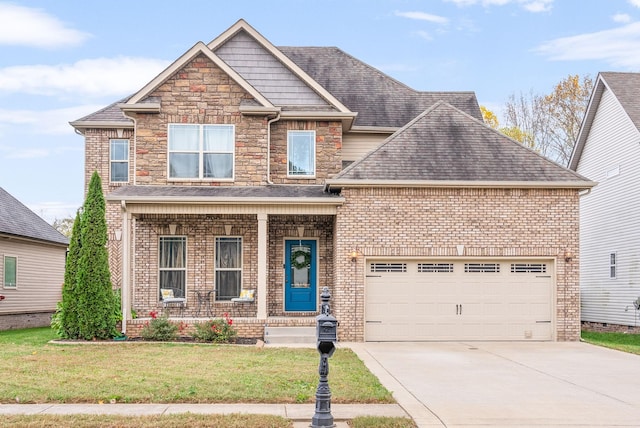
[517, 384]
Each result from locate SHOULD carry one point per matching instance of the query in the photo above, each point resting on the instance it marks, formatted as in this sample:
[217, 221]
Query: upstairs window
[119, 160]
[10, 271]
[301, 154]
[201, 152]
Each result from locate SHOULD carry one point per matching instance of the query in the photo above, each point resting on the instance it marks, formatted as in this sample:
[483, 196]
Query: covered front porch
[259, 260]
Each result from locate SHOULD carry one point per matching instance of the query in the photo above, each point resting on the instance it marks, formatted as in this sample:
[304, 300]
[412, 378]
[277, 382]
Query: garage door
[459, 300]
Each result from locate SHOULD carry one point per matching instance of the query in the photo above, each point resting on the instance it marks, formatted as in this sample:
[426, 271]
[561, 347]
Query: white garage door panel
[459, 300]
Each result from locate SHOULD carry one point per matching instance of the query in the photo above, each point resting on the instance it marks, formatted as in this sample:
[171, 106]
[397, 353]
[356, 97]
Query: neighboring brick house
[32, 259]
[284, 170]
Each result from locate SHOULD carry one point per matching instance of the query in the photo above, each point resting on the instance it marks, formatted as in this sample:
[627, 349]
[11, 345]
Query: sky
[61, 60]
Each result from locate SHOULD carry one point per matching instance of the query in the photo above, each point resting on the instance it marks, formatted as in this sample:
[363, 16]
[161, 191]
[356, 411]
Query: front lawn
[620, 341]
[35, 371]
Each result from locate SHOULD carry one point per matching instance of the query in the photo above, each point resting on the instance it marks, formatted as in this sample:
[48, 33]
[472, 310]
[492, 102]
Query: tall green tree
[65, 320]
[96, 302]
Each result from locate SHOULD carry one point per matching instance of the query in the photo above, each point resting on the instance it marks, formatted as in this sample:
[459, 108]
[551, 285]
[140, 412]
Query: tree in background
[565, 108]
[64, 225]
[550, 123]
[89, 308]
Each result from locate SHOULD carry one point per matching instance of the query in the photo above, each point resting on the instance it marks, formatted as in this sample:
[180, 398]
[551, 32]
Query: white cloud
[622, 18]
[618, 47]
[533, 6]
[424, 35]
[48, 122]
[24, 26]
[635, 3]
[422, 16]
[89, 77]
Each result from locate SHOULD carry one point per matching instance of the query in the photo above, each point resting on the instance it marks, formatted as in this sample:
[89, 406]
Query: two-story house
[283, 170]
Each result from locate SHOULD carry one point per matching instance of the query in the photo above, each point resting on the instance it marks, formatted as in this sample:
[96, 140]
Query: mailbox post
[327, 336]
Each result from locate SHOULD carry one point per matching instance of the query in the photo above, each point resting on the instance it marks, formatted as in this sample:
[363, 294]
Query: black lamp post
[327, 335]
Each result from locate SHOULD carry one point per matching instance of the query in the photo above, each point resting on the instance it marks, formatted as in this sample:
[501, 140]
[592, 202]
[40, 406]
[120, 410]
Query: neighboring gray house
[32, 259]
[608, 151]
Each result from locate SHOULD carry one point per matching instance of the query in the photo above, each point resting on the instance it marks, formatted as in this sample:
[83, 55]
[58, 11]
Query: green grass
[620, 341]
[36, 371]
[166, 421]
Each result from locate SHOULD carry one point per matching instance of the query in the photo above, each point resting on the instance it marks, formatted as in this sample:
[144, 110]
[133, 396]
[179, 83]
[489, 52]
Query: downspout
[275, 119]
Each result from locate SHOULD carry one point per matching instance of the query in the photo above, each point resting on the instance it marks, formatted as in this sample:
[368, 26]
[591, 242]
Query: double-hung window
[10, 268]
[119, 160]
[301, 154]
[228, 268]
[613, 265]
[172, 264]
[201, 152]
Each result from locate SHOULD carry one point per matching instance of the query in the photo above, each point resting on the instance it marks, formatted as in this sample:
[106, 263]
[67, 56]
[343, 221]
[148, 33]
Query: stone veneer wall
[431, 222]
[328, 150]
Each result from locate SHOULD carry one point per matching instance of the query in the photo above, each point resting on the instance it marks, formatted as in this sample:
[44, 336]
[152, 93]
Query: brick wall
[431, 222]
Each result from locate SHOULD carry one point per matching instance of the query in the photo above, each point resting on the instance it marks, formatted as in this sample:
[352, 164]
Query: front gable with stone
[228, 173]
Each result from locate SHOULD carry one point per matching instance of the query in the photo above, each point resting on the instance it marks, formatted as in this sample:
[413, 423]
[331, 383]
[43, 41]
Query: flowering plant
[159, 328]
[217, 330]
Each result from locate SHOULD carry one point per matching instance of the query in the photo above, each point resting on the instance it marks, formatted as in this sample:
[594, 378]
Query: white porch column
[125, 291]
[262, 266]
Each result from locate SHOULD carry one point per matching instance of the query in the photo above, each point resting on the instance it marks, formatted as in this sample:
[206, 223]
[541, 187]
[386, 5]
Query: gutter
[351, 183]
[226, 200]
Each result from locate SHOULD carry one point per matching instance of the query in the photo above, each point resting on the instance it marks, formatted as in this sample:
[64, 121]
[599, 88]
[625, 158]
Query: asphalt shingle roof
[201, 193]
[378, 99]
[18, 220]
[626, 87]
[446, 144]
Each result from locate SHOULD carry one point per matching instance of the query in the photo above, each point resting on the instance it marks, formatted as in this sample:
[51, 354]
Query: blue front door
[300, 275]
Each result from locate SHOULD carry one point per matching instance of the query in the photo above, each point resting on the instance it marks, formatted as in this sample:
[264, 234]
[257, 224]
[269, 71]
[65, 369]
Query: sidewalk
[301, 414]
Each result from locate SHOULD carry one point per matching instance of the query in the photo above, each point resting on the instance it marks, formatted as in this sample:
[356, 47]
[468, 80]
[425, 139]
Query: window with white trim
[201, 152]
[228, 267]
[613, 265]
[10, 268]
[119, 160]
[301, 154]
[172, 265]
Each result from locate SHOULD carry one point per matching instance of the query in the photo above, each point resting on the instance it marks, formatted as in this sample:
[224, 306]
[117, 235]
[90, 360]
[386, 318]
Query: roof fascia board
[462, 184]
[198, 48]
[11, 237]
[140, 107]
[585, 127]
[347, 118]
[217, 200]
[259, 110]
[85, 124]
[292, 66]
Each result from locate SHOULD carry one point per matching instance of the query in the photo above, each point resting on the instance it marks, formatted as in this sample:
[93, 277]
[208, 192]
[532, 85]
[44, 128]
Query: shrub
[217, 330]
[159, 329]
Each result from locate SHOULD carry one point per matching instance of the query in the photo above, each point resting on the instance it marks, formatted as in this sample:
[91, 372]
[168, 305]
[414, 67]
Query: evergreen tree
[96, 301]
[66, 319]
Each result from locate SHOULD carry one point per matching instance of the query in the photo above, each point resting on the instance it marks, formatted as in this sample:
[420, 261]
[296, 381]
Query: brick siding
[431, 222]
